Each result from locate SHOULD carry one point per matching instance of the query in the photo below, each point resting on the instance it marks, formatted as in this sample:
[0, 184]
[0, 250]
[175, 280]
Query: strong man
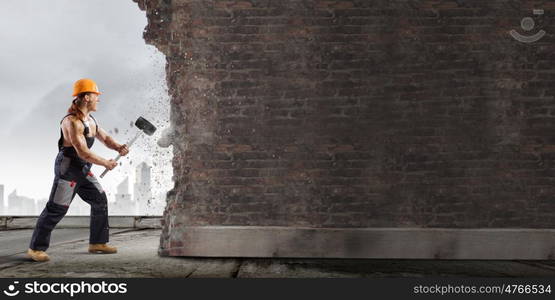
[73, 174]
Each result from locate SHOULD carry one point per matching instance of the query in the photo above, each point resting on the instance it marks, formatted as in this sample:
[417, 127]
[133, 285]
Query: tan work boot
[38, 255]
[102, 249]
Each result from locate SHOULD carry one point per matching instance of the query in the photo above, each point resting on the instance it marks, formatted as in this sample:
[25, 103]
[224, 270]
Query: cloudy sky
[45, 47]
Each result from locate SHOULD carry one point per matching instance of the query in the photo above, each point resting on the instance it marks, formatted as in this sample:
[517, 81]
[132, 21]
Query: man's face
[93, 101]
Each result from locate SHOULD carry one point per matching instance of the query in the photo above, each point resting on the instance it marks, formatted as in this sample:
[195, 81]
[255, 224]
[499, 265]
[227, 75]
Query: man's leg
[61, 196]
[91, 192]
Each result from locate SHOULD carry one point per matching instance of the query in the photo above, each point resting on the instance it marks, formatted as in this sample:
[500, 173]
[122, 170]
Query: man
[73, 176]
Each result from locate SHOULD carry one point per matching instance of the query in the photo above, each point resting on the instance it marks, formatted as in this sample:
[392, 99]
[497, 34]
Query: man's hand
[110, 164]
[123, 150]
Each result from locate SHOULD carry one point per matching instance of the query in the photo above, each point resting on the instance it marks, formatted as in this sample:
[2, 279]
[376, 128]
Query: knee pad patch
[64, 192]
[92, 178]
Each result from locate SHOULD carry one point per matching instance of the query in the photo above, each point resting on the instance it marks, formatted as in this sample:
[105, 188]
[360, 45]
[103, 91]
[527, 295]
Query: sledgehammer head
[145, 126]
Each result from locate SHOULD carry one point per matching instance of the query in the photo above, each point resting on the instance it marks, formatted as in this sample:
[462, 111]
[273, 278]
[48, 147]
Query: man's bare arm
[110, 142]
[107, 140]
[75, 130]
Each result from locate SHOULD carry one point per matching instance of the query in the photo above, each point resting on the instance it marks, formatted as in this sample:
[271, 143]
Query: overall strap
[71, 114]
[90, 140]
[95, 122]
[85, 132]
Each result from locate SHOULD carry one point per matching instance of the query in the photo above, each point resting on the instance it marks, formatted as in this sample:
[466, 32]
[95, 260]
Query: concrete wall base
[385, 243]
[28, 222]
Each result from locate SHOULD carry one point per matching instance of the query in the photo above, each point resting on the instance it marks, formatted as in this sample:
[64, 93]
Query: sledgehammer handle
[106, 170]
[119, 155]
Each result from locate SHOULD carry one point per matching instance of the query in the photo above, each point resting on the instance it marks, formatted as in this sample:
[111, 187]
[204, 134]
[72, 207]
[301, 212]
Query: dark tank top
[70, 151]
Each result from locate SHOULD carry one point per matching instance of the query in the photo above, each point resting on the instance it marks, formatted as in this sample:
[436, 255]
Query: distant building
[20, 205]
[142, 190]
[123, 205]
[41, 204]
[2, 211]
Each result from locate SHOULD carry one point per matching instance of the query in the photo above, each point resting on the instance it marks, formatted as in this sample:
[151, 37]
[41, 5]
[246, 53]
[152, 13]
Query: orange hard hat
[85, 85]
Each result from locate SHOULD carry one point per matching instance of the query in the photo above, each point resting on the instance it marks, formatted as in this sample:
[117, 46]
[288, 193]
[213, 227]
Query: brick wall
[384, 113]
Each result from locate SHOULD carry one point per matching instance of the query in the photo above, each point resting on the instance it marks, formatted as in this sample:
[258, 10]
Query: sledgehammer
[146, 127]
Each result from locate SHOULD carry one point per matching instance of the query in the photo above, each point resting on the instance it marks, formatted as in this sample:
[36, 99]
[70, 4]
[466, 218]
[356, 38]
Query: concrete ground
[137, 257]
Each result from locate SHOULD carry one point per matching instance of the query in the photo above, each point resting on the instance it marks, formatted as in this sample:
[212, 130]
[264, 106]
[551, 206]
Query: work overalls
[72, 175]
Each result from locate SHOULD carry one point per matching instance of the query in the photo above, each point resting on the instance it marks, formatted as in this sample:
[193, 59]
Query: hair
[78, 101]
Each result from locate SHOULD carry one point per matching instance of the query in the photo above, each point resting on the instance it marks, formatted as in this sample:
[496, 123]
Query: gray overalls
[72, 175]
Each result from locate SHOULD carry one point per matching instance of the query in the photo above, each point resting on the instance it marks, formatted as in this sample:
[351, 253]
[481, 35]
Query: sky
[45, 46]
